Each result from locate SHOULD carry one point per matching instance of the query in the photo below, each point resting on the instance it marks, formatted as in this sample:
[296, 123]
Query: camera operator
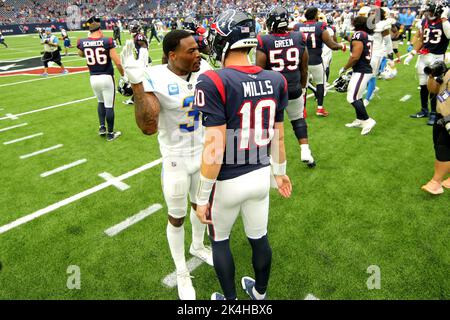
[51, 51]
[439, 84]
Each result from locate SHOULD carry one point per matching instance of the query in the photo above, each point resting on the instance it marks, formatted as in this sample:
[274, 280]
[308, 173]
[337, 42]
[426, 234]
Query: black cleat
[102, 131]
[113, 136]
[419, 115]
[311, 165]
[432, 119]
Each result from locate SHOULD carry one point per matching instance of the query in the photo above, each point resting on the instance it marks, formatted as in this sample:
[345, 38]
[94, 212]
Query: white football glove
[342, 71]
[134, 69]
[444, 14]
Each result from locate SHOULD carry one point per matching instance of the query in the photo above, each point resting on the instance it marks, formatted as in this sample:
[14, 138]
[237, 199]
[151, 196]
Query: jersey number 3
[192, 114]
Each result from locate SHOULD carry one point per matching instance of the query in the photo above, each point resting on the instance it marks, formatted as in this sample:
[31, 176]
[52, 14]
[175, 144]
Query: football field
[361, 209]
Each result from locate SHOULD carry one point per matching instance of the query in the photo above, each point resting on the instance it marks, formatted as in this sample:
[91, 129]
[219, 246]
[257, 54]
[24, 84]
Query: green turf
[361, 206]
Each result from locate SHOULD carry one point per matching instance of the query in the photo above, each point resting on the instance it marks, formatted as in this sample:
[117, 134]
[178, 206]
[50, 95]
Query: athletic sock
[198, 230]
[224, 267]
[360, 109]
[175, 237]
[424, 98]
[320, 94]
[110, 119]
[101, 113]
[262, 261]
[371, 85]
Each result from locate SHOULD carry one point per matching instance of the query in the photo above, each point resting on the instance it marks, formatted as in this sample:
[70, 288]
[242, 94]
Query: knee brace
[300, 128]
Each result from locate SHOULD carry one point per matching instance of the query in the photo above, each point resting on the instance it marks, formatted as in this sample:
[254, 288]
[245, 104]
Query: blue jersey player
[99, 52]
[361, 54]
[316, 35]
[242, 109]
[286, 52]
[431, 45]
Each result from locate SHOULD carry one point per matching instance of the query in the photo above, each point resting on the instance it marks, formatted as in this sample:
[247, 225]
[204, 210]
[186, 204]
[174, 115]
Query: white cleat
[186, 290]
[204, 254]
[355, 124]
[368, 126]
[306, 157]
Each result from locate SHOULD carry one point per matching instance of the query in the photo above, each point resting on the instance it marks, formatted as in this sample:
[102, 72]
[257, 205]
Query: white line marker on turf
[24, 138]
[51, 107]
[62, 168]
[405, 98]
[40, 151]
[11, 116]
[114, 182]
[78, 196]
[13, 127]
[171, 280]
[311, 297]
[40, 79]
[115, 230]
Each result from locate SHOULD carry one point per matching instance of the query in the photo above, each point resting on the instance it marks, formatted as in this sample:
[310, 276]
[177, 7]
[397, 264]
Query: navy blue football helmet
[232, 29]
[277, 18]
[190, 25]
[435, 7]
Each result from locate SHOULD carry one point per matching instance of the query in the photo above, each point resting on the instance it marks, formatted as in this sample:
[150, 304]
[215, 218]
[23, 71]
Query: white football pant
[180, 178]
[248, 194]
[104, 89]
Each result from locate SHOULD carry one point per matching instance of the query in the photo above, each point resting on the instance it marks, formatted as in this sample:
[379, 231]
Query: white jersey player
[164, 96]
[382, 45]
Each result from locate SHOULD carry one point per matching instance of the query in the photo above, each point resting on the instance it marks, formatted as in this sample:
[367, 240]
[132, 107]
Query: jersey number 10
[255, 115]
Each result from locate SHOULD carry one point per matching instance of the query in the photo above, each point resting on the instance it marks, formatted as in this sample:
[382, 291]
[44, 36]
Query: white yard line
[405, 98]
[114, 182]
[40, 79]
[78, 196]
[171, 279]
[49, 108]
[115, 230]
[13, 127]
[26, 156]
[11, 116]
[24, 138]
[62, 168]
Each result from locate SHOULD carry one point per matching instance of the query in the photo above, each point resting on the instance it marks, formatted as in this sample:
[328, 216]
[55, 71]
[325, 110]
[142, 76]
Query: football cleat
[111, 136]
[217, 296]
[355, 124]
[65, 71]
[102, 131]
[432, 119]
[248, 284]
[322, 112]
[306, 157]
[185, 289]
[367, 126]
[45, 74]
[433, 187]
[418, 115]
[204, 254]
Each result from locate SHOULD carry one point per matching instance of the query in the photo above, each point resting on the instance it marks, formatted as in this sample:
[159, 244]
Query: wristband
[413, 52]
[204, 190]
[279, 169]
